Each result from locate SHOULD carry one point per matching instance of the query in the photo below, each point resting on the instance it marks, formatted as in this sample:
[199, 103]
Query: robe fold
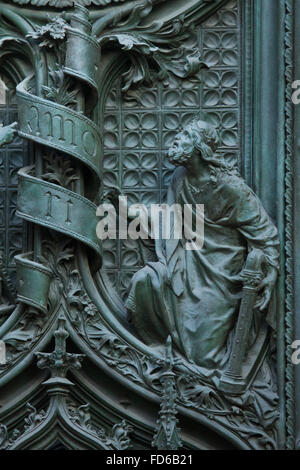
[195, 295]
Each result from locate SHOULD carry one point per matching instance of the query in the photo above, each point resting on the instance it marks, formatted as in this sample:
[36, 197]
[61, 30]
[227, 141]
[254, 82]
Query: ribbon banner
[33, 282]
[59, 127]
[58, 208]
[83, 54]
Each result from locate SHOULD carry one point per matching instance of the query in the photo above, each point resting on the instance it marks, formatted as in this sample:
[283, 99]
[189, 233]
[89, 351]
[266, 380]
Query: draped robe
[195, 295]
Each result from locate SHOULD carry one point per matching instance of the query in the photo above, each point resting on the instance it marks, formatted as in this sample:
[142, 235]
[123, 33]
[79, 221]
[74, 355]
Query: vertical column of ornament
[59, 362]
[81, 63]
[167, 434]
[33, 278]
[82, 57]
[51, 121]
[232, 381]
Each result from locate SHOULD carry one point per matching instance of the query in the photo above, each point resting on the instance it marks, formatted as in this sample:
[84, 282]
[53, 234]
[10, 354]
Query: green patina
[102, 90]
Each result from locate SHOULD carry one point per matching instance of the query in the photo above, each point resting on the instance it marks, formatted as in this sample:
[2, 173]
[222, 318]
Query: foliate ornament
[117, 439]
[33, 420]
[48, 35]
[155, 52]
[28, 328]
[87, 321]
[71, 420]
[180, 63]
[237, 414]
[30, 325]
[59, 361]
[34, 417]
[167, 433]
[51, 120]
[60, 90]
[7, 439]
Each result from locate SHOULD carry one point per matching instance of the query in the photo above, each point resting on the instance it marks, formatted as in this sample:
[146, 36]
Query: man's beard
[179, 157]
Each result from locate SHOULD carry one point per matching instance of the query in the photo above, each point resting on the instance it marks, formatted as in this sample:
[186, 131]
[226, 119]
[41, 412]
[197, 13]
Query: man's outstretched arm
[7, 133]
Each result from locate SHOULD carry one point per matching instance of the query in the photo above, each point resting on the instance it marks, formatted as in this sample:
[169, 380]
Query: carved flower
[90, 310]
[49, 34]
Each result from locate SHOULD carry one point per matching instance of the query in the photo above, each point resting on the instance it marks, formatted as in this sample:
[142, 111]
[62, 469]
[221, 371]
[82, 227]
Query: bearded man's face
[182, 148]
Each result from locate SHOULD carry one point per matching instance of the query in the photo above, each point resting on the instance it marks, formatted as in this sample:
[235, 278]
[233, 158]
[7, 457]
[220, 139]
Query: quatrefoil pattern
[137, 133]
[13, 233]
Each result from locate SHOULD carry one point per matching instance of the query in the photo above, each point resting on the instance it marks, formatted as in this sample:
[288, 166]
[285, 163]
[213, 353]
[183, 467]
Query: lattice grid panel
[13, 232]
[137, 135]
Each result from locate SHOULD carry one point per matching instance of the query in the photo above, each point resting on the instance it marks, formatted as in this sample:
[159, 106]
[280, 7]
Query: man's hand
[266, 288]
[7, 133]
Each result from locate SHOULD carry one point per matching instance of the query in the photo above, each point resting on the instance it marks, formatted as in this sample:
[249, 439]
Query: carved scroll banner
[52, 206]
[61, 128]
[34, 282]
[83, 52]
[58, 127]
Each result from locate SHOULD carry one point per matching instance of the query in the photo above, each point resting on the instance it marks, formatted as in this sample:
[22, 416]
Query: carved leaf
[61, 90]
[59, 171]
[167, 60]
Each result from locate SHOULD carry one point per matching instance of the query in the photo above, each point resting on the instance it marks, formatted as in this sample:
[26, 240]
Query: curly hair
[205, 139]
